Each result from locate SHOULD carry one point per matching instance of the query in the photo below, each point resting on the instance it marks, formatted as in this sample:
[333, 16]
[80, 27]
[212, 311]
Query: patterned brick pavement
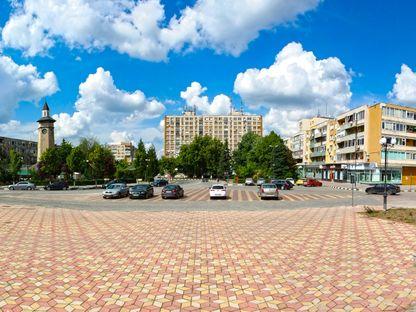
[294, 260]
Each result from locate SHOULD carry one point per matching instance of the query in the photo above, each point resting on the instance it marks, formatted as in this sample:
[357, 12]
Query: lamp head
[393, 141]
[383, 141]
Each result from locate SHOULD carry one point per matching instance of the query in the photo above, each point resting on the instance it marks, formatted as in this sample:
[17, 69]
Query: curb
[344, 188]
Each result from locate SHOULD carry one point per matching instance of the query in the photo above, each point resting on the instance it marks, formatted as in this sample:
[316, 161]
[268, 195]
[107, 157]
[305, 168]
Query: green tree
[140, 160]
[4, 161]
[15, 164]
[224, 164]
[122, 169]
[101, 162]
[168, 165]
[244, 160]
[201, 157]
[152, 168]
[64, 151]
[77, 161]
[263, 157]
[50, 164]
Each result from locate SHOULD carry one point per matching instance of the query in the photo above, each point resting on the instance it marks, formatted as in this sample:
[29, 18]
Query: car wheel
[29, 188]
[11, 188]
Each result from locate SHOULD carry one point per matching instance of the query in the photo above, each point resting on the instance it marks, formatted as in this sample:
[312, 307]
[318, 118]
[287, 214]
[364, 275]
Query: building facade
[28, 149]
[123, 151]
[181, 130]
[351, 142]
[46, 131]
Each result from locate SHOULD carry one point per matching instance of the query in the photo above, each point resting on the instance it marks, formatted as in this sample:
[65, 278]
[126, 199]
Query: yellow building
[350, 145]
[180, 130]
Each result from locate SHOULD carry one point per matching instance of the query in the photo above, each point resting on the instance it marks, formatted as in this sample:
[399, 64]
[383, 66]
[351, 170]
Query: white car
[218, 191]
[249, 182]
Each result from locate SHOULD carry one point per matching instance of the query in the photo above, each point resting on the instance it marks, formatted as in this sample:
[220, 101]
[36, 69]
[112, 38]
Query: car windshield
[217, 187]
[170, 187]
[269, 186]
[140, 187]
[115, 186]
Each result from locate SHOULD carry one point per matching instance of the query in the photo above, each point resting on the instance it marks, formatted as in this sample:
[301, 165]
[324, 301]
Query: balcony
[316, 144]
[318, 154]
[350, 137]
[351, 124]
[350, 149]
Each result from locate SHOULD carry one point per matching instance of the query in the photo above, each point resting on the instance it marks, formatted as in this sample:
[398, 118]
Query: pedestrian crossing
[202, 194]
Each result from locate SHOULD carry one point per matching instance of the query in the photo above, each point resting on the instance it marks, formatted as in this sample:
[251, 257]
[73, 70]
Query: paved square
[294, 260]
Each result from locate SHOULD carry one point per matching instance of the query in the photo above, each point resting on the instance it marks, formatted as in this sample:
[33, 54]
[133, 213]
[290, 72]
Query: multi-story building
[123, 151]
[180, 130]
[352, 145]
[28, 149]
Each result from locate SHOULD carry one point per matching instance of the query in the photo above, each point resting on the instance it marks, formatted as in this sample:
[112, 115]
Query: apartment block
[180, 130]
[28, 149]
[123, 151]
[351, 145]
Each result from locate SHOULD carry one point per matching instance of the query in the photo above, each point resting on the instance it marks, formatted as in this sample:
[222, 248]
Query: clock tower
[46, 135]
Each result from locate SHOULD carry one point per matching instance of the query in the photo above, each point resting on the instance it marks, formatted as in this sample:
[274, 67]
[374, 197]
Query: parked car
[116, 190]
[291, 181]
[218, 191]
[172, 191]
[205, 178]
[379, 189]
[106, 185]
[312, 182]
[57, 185]
[282, 184]
[268, 190]
[22, 185]
[300, 181]
[249, 182]
[141, 191]
[160, 182]
[260, 181]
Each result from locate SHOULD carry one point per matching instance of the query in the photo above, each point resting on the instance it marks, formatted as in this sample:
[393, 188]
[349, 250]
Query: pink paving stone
[146, 254]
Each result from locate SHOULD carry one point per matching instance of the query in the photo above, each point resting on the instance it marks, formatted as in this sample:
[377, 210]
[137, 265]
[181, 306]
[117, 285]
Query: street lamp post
[145, 171]
[385, 145]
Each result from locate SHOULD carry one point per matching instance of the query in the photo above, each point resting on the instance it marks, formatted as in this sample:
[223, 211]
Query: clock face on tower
[44, 131]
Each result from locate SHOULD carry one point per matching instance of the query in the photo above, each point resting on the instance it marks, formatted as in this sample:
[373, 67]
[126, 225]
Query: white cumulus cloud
[193, 97]
[104, 111]
[22, 83]
[141, 29]
[295, 86]
[404, 89]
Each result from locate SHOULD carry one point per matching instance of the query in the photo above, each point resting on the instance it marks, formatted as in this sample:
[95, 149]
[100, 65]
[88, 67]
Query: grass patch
[405, 215]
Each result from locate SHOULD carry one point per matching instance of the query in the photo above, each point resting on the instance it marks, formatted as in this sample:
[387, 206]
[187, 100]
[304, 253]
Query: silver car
[116, 190]
[268, 190]
[22, 185]
[260, 181]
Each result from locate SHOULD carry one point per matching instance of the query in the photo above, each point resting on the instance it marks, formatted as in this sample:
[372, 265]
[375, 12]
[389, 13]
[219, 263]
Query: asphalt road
[197, 198]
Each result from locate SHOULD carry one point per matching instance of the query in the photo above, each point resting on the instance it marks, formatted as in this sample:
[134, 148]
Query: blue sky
[371, 40]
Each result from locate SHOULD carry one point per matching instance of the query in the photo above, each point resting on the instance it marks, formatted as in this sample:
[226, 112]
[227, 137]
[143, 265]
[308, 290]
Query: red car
[312, 182]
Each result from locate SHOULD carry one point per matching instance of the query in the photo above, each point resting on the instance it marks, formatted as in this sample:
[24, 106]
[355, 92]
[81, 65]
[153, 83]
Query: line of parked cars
[117, 189]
